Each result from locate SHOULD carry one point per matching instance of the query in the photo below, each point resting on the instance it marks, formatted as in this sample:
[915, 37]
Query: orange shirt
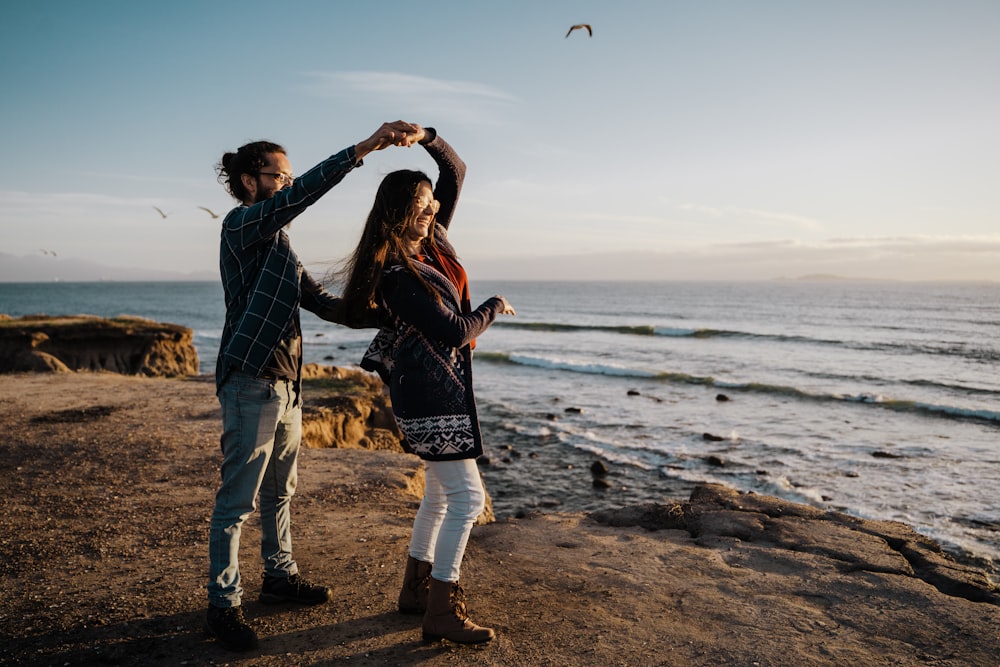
[455, 272]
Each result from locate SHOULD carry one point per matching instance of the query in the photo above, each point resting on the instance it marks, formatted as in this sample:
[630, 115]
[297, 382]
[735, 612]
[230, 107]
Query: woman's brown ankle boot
[447, 618]
[413, 595]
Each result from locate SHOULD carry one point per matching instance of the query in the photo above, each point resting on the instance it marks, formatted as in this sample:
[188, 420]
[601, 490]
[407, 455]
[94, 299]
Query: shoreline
[105, 530]
[557, 477]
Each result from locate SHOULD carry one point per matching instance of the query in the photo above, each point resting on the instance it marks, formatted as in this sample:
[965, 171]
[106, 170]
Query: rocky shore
[109, 484]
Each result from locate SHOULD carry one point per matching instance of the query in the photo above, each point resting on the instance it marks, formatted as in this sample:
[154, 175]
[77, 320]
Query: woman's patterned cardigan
[423, 351]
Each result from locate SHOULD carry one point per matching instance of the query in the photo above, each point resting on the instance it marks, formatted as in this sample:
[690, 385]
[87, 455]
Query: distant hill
[40, 269]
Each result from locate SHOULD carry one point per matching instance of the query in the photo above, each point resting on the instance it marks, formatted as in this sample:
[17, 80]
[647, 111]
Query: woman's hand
[507, 308]
[399, 133]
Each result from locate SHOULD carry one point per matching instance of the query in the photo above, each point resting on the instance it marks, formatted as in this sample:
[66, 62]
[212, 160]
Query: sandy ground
[108, 486]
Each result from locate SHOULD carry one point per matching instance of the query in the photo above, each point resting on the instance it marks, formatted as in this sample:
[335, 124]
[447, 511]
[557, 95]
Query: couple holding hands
[404, 279]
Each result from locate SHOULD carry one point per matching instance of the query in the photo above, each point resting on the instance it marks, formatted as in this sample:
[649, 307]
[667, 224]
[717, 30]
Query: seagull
[210, 212]
[581, 25]
[160, 211]
[47, 252]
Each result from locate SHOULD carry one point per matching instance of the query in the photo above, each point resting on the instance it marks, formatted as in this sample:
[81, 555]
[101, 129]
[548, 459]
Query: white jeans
[453, 499]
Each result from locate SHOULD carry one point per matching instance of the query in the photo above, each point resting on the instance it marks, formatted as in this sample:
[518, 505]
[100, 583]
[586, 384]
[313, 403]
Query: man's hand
[398, 133]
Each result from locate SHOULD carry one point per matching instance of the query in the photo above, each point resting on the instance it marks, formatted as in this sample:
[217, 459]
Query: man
[258, 373]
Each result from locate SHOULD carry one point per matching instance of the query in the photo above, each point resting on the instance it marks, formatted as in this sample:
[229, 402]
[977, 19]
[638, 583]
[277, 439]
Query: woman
[405, 268]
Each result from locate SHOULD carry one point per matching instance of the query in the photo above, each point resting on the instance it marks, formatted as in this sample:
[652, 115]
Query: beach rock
[886, 455]
[711, 437]
[347, 408]
[599, 468]
[573, 411]
[715, 515]
[651, 516]
[125, 344]
[633, 392]
[344, 422]
[722, 398]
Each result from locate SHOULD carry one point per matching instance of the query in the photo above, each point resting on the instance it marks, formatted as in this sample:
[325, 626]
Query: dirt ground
[105, 500]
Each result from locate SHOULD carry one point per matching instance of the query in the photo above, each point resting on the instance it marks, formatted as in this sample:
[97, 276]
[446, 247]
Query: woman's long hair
[382, 243]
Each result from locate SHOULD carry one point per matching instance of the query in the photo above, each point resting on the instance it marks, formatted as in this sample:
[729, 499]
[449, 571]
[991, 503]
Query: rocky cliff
[125, 344]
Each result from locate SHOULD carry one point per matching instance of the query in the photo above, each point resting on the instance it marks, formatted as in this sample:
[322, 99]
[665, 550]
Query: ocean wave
[865, 398]
[948, 349]
[638, 330]
[560, 365]
[641, 330]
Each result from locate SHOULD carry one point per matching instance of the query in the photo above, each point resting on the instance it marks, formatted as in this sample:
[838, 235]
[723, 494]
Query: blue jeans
[261, 433]
[453, 500]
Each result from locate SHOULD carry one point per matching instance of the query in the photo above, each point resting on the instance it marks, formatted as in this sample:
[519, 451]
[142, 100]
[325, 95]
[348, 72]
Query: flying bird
[578, 26]
[158, 210]
[47, 252]
[210, 212]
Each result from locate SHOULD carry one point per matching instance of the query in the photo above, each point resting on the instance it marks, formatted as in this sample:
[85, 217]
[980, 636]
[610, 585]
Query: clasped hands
[397, 133]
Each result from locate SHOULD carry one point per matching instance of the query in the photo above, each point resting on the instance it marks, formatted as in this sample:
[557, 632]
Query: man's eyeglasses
[423, 203]
[283, 179]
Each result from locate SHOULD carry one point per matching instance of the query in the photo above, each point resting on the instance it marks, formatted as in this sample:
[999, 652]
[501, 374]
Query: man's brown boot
[447, 618]
[416, 581]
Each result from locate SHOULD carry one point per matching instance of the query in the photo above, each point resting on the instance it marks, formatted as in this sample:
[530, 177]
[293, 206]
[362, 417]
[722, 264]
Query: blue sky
[684, 140]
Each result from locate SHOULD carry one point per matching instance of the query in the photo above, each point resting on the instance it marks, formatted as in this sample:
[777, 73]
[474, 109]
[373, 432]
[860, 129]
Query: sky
[684, 140]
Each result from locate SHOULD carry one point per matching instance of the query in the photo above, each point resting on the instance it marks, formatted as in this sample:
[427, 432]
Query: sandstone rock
[125, 344]
[719, 517]
[347, 408]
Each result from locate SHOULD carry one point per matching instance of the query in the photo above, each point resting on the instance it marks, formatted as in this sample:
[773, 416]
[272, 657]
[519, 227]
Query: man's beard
[263, 196]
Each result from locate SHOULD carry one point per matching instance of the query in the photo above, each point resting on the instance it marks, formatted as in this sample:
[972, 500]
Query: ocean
[875, 399]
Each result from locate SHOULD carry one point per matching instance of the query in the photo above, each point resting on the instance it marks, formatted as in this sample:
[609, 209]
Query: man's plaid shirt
[264, 283]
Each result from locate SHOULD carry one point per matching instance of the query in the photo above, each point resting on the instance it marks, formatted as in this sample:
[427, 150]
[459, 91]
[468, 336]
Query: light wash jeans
[261, 433]
[453, 499]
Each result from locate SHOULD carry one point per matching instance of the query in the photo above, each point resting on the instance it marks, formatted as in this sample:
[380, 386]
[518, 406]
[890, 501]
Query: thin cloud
[465, 100]
[397, 84]
[103, 209]
[922, 258]
[757, 245]
[758, 215]
[963, 240]
[797, 220]
[60, 202]
[185, 181]
[989, 242]
[701, 208]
